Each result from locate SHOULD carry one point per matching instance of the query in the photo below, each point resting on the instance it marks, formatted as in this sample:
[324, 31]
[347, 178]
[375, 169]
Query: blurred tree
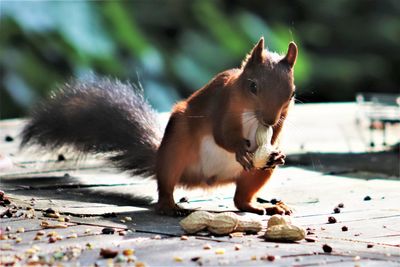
[174, 47]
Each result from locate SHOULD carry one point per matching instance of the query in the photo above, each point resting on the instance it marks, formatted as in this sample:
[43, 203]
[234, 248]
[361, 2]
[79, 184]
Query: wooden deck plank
[93, 190]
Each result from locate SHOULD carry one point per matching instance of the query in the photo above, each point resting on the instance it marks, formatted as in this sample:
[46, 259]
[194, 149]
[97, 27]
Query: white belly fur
[217, 162]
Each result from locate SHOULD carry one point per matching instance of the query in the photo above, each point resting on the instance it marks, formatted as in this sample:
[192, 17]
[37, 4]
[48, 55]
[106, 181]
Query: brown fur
[216, 110]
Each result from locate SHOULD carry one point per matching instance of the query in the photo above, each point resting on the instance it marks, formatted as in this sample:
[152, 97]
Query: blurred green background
[174, 47]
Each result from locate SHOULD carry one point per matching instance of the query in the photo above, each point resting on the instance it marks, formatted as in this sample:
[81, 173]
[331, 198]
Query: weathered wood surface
[94, 196]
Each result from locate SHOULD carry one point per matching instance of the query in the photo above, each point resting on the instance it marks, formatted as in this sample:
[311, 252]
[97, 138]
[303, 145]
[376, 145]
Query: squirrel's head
[266, 84]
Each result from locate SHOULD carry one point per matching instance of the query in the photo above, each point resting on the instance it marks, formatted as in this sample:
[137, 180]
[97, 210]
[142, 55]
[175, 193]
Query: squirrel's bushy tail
[99, 115]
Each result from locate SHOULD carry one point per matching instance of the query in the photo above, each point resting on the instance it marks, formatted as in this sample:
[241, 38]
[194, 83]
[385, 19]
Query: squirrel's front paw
[244, 157]
[276, 158]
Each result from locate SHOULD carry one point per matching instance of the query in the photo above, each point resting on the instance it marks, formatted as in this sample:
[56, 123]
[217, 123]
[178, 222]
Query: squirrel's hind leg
[173, 156]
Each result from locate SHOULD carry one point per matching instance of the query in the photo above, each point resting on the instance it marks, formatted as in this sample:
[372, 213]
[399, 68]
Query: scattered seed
[128, 219]
[310, 233]
[108, 253]
[8, 138]
[122, 233]
[38, 237]
[108, 231]
[345, 228]
[195, 259]
[207, 246]
[336, 210]
[178, 259]
[30, 251]
[184, 237]
[156, 237]
[238, 247]
[128, 252]
[52, 233]
[51, 213]
[89, 246]
[67, 219]
[340, 205]
[220, 251]
[367, 198]
[8, 228]
[140, 264]
[326, 248]
[122, 220]
[60, 157]
[357, 258]
[331, 219]
[61, 219]
[41, 232]
[18, 240]
[270, 257]
[370, 245]
[74, 235]
[310, 239]
[58, 225]
[21, 230]
[253, 258]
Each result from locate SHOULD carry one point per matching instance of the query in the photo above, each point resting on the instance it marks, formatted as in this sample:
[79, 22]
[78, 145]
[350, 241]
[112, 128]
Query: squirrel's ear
[256, 54]
[291, 55]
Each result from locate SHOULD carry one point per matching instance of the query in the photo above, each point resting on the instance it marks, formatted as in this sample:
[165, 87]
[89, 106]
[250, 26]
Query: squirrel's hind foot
[173, 210]
[278, 208]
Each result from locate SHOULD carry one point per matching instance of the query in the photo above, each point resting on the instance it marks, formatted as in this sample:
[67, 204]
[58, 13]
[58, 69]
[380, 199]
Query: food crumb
[367, 198]
[178, 259]
[207, 246]
[108, 253]
[326, 248]
[331, 219]
[128, 252]
[220, 251]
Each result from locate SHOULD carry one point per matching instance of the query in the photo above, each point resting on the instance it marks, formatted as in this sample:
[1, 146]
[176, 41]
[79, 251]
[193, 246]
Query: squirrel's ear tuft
[291, 55]
[256, 54]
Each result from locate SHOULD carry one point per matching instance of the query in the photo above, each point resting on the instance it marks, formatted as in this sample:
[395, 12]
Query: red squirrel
[208, 141]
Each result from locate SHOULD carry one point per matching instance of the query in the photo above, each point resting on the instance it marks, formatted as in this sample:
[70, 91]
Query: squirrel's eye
[253, 87]
[293, 95]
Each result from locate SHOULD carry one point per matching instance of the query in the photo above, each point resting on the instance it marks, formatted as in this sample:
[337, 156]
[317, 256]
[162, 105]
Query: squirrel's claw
[245, 158]
[276, 158]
